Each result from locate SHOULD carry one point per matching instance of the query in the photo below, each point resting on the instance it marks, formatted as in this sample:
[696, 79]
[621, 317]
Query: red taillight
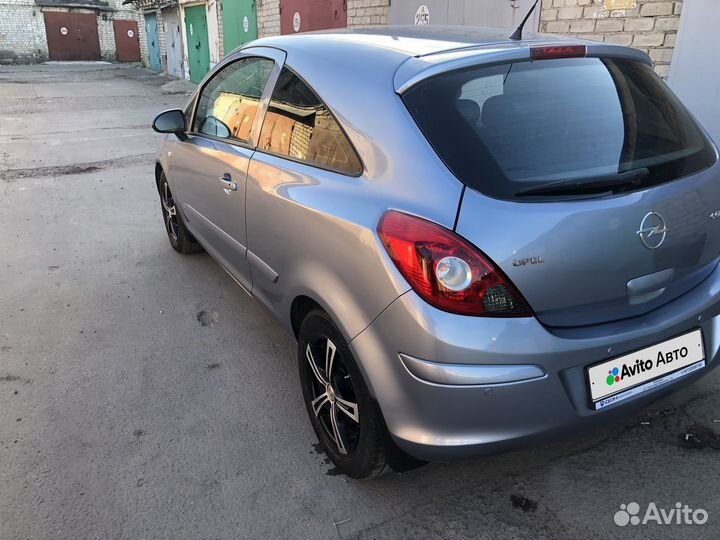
[446, 270]
[557, 51]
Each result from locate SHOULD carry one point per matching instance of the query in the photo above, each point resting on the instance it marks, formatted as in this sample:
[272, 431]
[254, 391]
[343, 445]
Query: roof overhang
[150, 4]
[97, 5]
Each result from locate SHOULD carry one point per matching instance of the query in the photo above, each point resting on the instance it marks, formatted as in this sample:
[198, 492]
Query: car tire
[180, 238]
[346, 418]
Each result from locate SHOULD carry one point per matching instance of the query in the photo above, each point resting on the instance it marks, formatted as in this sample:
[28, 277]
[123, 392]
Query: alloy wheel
[334, 401]
[169, 212]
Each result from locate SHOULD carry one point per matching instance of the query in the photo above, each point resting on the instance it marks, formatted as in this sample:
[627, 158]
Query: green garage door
[239, 23]
[197, 42]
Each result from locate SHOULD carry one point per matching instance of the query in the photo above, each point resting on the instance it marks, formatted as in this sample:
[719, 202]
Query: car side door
[210, 166]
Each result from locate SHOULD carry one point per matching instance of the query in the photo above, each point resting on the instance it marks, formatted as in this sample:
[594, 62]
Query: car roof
[411, 41]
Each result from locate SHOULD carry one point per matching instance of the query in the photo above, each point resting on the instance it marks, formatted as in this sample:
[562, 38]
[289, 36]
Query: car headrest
[495, 110]
[469, 110]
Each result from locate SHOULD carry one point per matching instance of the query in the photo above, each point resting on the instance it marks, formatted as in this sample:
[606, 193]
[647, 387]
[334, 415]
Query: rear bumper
[435, 412]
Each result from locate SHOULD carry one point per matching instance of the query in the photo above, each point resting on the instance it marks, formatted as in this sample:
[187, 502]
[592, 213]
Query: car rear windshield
[506, 128]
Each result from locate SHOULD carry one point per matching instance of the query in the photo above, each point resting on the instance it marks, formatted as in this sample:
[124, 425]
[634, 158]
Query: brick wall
[106, 33]
[140, 16]
[651, 26]
[22, 32]
[367, 12]
[268, 17]
[161, 39]
[221, 31]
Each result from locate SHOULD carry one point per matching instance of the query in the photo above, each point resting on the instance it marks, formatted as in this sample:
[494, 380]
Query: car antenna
[517, 34]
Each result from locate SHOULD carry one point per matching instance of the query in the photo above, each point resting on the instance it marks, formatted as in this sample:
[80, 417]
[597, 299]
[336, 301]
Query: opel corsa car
[477, 242]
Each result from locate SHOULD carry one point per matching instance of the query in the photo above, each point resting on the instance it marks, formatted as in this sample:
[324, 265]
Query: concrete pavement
[144, 395]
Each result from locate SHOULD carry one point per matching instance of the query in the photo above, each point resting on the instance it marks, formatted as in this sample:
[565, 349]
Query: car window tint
[300, 126]
[505, 128]
[229, 102]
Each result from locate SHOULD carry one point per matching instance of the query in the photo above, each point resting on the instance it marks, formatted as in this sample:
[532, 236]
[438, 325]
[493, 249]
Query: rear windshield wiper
[590, 184]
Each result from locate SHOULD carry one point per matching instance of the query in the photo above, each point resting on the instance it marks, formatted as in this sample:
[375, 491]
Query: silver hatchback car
[477, 241]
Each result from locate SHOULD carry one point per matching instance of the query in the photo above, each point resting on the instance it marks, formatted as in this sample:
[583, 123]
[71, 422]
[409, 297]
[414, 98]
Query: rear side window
[229, 102]
[298, 125]
[506, 128]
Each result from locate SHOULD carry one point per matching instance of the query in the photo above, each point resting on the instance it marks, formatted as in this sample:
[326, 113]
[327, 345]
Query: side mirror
[171, 121]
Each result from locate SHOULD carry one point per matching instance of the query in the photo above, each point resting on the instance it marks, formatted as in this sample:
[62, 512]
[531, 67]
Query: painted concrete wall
[694, 73]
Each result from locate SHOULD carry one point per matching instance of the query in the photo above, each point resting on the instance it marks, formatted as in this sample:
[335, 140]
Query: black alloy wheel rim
[334, 400]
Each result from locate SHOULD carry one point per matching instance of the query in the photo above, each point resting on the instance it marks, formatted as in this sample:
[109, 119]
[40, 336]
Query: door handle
[227, 183]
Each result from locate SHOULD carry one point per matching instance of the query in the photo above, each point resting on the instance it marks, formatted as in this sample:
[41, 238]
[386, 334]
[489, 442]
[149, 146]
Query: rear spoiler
[419, 68]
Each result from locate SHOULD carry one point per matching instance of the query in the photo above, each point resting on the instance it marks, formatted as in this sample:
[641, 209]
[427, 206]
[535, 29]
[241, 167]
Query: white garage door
[496, 13]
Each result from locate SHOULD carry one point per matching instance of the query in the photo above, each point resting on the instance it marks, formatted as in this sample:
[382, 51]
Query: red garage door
[72, 36]
[306, 15]
[127, 41]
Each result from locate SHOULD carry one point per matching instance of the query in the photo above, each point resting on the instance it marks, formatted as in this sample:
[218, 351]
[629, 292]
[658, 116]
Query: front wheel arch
[300, 308]
[181, 239]
[158, 173]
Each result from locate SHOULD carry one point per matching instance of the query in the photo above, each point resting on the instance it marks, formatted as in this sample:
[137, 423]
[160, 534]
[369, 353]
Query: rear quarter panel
[316, 228]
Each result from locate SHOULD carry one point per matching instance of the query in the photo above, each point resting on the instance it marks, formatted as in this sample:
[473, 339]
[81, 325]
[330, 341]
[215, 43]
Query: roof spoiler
[517, 34]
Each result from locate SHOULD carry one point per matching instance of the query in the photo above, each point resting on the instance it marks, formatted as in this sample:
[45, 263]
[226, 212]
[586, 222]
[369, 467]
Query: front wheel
[180, 238]
[345, 417]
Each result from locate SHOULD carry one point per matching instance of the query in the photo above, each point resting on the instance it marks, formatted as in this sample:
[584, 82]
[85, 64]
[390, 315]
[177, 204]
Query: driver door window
[229, 102]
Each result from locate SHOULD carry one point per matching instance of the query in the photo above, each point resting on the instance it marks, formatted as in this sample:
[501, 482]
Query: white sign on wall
[422, 15]
[297, 21]
[246, 24]
[63, 31]
[131, 33]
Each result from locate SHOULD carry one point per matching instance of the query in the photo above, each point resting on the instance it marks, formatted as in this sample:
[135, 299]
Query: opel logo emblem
[652, 230]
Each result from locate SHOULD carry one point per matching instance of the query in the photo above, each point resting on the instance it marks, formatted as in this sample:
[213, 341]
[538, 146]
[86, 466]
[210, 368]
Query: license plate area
[642, 370]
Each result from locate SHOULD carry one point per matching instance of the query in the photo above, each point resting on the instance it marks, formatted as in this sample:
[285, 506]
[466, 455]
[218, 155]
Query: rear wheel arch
[302, 306]
[311, 277]
[306, 301]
